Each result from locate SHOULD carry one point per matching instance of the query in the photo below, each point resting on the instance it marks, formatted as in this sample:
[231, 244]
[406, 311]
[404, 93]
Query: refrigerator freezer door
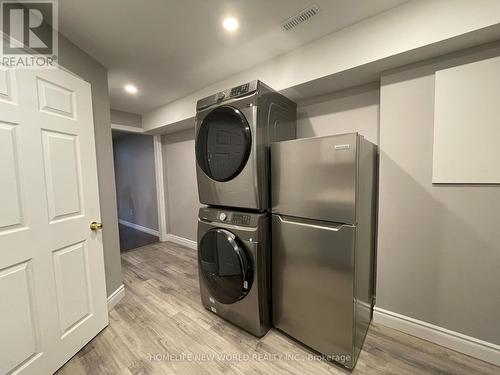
[312, 284]
[315, 178]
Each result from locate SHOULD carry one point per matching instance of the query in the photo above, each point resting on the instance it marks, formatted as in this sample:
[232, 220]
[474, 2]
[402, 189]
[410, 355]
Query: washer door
[223, 143]
[225, 266]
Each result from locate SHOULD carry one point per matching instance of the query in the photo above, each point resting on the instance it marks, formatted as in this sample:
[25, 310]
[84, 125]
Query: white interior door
[52, 287]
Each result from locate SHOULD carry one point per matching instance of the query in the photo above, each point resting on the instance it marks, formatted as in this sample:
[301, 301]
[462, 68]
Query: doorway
[136, 187]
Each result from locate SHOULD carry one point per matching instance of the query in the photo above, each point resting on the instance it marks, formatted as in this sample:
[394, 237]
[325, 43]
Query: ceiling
[171, 48]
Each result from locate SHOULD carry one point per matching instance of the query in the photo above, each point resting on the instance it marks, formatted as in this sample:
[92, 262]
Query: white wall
[438, 245]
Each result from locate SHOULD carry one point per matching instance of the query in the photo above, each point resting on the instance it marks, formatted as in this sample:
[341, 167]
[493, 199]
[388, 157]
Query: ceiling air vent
[302, 16]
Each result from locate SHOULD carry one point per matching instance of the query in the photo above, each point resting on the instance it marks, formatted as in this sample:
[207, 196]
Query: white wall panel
[467, 123]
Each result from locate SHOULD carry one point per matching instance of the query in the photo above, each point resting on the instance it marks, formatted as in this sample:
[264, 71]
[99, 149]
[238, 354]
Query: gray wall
[346, 111]
[126, 118]
[438, 245]
[135, 179]
[181, 187]
[81, 64]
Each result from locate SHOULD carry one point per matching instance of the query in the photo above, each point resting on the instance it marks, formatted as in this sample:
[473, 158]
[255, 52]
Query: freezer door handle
[332, 227]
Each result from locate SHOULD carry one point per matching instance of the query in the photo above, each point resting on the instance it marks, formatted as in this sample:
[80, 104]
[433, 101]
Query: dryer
[234, 267]
[234, 129]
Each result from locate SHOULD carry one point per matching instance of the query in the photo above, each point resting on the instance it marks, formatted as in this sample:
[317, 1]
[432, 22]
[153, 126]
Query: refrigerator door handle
[332, 227]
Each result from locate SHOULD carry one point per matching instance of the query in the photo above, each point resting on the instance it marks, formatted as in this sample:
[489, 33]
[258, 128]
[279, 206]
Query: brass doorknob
[95, 225]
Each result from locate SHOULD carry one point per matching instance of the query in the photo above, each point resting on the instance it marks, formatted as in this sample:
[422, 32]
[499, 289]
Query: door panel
[51, 263]
[19, 344]
[62, 174]
[11, 215]
[55, 99]
[7, 85]
[313, 283]
[72, 286]
[315, 178]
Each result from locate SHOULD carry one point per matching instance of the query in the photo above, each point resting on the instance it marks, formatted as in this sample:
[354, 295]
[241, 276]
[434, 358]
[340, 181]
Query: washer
[233, 131]
[234, 266]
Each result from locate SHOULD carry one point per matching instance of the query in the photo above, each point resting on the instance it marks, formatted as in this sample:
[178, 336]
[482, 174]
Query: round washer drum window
[223, 143]
[225, 266]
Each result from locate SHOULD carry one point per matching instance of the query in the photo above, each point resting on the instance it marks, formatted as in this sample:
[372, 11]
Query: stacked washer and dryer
[234, 129]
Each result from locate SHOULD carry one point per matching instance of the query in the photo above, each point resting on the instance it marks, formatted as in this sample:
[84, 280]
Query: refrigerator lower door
[313, 284]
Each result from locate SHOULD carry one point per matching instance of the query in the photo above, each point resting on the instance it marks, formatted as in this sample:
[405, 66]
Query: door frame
[160, 188]
[159, 176]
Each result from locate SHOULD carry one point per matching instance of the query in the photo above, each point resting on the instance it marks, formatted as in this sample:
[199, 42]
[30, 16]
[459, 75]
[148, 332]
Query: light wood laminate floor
[161, 316]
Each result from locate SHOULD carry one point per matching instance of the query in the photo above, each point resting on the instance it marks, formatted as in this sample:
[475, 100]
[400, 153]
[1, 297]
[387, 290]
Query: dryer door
[223, 143]
[225, 266]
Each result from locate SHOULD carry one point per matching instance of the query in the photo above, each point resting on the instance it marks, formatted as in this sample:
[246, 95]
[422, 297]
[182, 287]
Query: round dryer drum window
[225, 266]
[223, 144]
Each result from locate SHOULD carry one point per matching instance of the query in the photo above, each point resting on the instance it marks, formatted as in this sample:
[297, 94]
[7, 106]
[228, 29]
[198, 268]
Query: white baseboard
[182, 241]
[471, 346]
[116, 297]
[140, 228]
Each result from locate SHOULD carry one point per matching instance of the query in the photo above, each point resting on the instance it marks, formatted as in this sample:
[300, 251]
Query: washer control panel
[240, 219]
[235, 218]
[227, 216]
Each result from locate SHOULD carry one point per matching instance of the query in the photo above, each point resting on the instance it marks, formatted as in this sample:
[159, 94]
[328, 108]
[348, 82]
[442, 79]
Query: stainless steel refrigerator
[323, 233]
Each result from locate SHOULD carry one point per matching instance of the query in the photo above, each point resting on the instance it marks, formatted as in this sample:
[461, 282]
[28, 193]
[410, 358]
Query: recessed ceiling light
[230, 23]
[131, 89]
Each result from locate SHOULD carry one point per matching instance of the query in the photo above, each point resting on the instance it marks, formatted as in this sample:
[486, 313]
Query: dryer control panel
[232, 93]
[239, 90]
